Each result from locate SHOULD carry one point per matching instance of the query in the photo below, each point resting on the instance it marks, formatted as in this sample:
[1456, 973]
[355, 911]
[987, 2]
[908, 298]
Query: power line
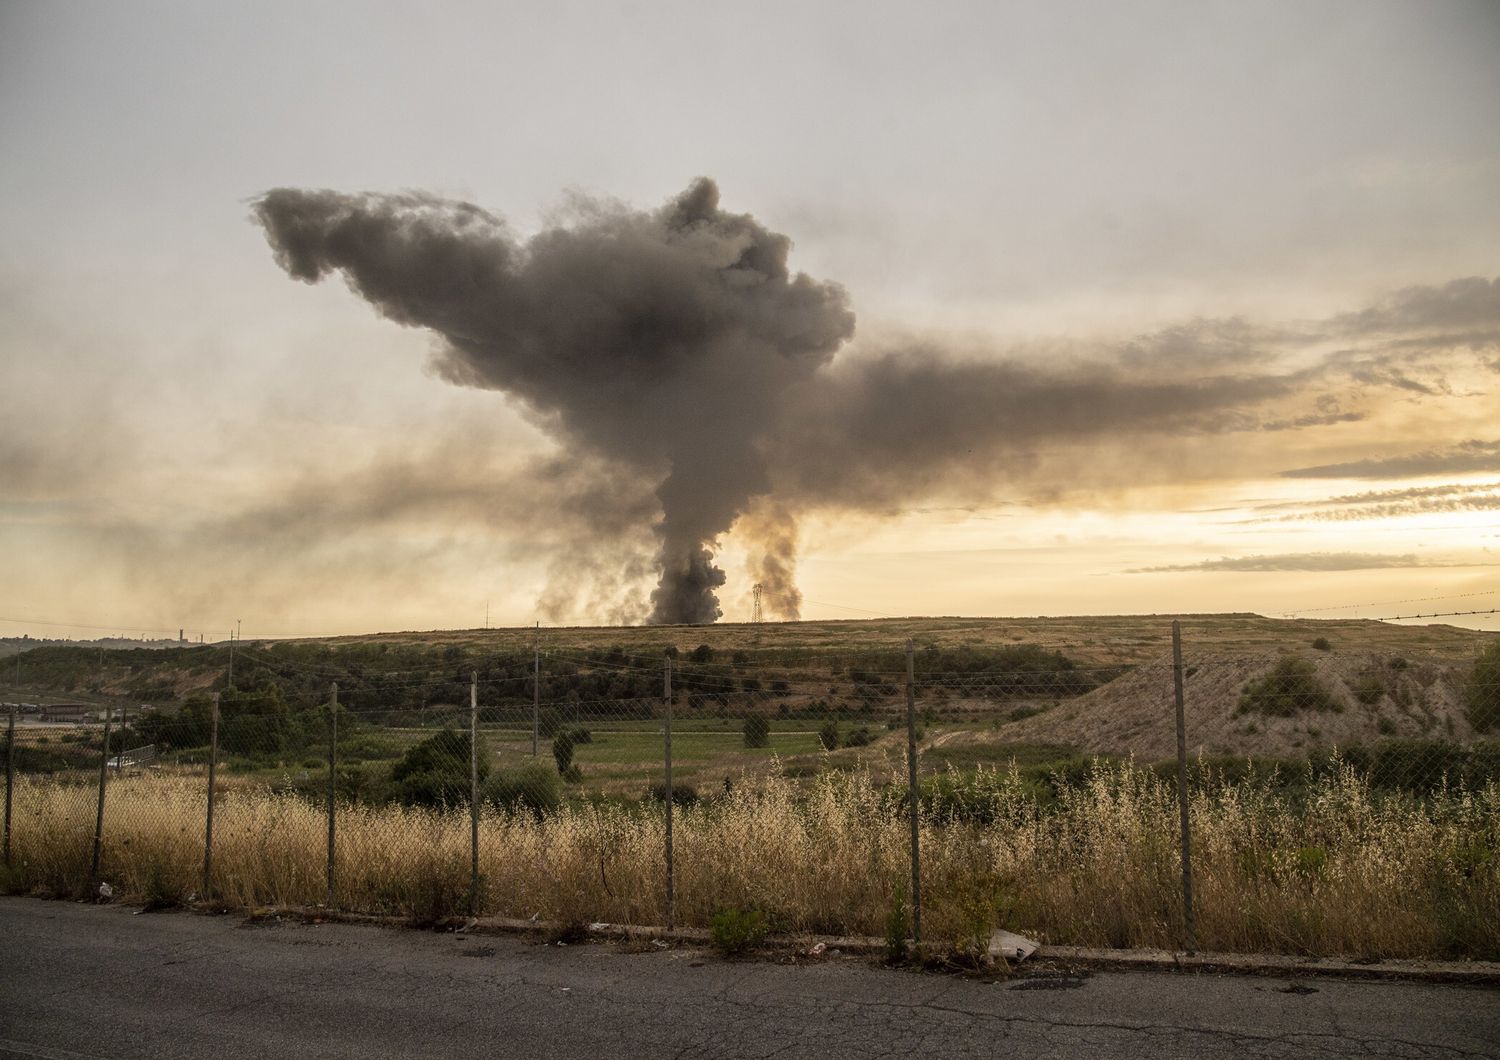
[85, 625]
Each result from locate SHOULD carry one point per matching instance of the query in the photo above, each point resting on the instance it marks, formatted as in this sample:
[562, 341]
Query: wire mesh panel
[55, 779]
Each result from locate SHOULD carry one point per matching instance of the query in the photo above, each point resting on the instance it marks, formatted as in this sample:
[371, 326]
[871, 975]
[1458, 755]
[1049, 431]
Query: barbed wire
[1385, 603]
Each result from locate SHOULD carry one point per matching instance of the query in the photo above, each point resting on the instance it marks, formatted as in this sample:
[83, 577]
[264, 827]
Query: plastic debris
[817, 949]
[106, 891]
[1011, 946]
[599, 925]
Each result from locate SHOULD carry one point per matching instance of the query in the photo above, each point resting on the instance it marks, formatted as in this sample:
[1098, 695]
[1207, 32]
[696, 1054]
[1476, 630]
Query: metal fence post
[667, 754]
[536, 700]
[208, 820]
[473, 792]
[99, 814]
[333, 755]
[1189, 923]
[10, 774]
[911, 779]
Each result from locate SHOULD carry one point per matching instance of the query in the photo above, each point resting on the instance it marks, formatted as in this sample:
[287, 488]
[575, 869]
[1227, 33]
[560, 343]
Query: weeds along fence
[1308, 801]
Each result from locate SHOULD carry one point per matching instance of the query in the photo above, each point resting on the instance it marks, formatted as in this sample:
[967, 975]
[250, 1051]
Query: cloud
[1389, 504]
[1466, 306]
[1472, 455]
[1293, 561]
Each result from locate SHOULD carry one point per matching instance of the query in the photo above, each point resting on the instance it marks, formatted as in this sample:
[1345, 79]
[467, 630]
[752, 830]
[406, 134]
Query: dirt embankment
[1370, 696]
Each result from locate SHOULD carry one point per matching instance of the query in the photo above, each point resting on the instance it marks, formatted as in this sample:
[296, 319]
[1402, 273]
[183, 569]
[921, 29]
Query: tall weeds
[1335, 869]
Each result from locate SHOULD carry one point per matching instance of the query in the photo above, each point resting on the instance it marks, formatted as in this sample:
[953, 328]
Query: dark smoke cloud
[664, 339]
[874, 432]
[677, 347]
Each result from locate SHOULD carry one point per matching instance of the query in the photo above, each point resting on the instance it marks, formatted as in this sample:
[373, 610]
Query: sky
[1151, 308]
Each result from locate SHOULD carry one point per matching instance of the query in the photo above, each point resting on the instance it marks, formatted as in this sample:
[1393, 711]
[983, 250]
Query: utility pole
[231, 658]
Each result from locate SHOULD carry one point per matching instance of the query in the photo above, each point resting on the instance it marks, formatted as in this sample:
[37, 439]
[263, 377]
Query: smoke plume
[675, 348]
[662, 339]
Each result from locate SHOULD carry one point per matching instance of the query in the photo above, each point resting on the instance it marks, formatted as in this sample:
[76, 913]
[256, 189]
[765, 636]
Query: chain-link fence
[1310, 801]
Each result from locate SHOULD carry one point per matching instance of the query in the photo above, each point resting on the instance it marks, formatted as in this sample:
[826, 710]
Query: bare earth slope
[1136, 713]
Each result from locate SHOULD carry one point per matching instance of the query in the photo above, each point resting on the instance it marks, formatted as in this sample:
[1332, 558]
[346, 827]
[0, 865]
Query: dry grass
[1343, 873]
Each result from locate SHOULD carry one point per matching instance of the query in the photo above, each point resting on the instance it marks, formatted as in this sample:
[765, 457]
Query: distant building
[75, 712]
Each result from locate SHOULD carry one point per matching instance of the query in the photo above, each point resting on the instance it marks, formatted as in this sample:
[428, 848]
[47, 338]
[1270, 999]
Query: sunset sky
[1157, 308]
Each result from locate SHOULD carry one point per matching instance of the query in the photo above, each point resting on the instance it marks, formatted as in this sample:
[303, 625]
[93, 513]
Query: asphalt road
[89, 981]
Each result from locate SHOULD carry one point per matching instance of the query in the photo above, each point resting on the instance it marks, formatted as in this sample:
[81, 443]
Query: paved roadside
[88, 981]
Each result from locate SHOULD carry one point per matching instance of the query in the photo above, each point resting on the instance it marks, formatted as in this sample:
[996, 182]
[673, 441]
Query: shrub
[1291, 686]
[858, 737]
[1370, 688]
[562, 751]
[733, 931]
[1484, 690]
[682, 794]
[530, 786]
[701, 654]
[435, 772]
[757, 731]
[828, 736]
[1322, 644]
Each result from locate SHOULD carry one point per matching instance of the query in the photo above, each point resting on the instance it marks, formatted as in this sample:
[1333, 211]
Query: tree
[757, 731]
[828, 735]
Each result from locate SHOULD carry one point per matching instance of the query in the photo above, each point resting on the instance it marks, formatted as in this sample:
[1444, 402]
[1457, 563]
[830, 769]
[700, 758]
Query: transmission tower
[755, 612]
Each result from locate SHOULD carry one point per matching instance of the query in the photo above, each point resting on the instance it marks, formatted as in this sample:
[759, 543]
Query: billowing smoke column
[664, 339]
[673, 347]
